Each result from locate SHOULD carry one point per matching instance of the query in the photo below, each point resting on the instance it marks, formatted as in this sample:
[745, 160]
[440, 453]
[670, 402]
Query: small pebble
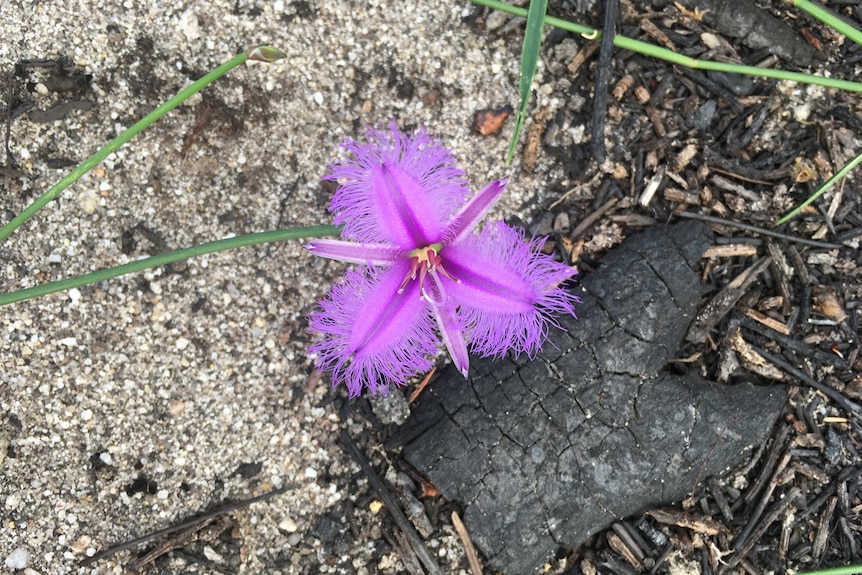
[18, 559]
[212, 555]
[545, 226]
[88, 200]
[495, 20]
[704, 115]
[288, 524]
[561, 222]
[13, 501]
[294, 539]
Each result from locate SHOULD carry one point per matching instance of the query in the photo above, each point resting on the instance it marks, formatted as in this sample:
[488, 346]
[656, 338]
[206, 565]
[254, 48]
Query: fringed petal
[473, 212]
[447, 321]
[397, 188]
[371, 334]
[350, 252]
[509, 291]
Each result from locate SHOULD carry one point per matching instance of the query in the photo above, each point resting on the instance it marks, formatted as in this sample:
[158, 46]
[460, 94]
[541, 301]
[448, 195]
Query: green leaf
[529, 60]
[167, 258]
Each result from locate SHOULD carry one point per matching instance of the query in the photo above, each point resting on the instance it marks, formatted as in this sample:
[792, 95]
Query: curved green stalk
[170, 257]
[826, 17]
[260, 53]
[848, 570]
[660, 53]
[826, 185]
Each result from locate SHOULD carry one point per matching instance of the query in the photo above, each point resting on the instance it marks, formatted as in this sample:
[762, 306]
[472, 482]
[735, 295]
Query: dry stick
[849, 406]
[603, 79]
[774, 514]
[182, 525]
[780, 277]
[848, 473]
[823, 531]
[213, 526]
[775, 449]
[794, 345]
[469, 549]
[743, 538]
[422, 385]
[383, 493]
[633, 546]
[591, 219]
[720, 500]
[721, 304]
[763, 231]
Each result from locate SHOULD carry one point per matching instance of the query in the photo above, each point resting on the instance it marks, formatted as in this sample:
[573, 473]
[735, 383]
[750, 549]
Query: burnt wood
[544, 453]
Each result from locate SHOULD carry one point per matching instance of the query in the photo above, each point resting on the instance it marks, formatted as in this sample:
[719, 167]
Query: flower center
[422, 261]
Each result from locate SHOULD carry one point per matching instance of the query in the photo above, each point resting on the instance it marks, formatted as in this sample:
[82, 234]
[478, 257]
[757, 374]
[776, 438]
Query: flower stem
[260, 53]
[170, 257]
[660, 53]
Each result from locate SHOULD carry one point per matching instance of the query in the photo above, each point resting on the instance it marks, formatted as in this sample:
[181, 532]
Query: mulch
[781, 304]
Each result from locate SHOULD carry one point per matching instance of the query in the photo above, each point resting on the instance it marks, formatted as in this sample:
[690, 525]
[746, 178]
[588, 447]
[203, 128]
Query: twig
[742, 539]
[207, 515]
[603, 79]
[383, 493]
[777, 268]
[847, 405]
[793, 344]
[774, 514]
[422, 385]
[723, 302]
[762, 231]
[591, 219]
[469, 549]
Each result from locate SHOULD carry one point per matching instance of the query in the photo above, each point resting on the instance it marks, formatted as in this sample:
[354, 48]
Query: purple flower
[409, 224]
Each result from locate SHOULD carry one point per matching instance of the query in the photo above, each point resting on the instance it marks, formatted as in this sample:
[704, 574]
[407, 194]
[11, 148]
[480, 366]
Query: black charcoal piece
[545, 453]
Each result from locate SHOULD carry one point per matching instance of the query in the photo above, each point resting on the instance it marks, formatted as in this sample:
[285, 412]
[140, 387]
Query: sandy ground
[132, 404]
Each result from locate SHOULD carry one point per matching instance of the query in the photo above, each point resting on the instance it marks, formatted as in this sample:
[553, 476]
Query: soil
[135, 404]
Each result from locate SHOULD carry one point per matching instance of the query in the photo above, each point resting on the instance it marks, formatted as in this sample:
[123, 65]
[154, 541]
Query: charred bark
[544, 453]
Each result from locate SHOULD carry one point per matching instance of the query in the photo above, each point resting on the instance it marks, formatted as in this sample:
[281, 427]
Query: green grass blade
[826, 185]
[824, 16]
[529, 60]
[260, 53]
[848, 570]
[168, 258]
